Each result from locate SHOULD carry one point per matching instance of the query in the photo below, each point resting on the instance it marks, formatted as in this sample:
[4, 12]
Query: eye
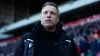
[53, 13]
[45, 12]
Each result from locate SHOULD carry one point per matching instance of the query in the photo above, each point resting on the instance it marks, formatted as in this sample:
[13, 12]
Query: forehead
[49, 8]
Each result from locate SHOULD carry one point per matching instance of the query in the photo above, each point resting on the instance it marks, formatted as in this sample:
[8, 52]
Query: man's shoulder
[27, 35]
[65, 36]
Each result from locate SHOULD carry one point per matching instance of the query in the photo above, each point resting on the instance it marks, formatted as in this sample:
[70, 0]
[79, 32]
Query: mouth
[48, 21]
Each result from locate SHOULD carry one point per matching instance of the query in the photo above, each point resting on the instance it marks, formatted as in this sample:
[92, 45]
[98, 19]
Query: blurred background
[81, 19]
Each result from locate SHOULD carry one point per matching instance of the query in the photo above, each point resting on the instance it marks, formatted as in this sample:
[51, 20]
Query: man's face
[49, 16]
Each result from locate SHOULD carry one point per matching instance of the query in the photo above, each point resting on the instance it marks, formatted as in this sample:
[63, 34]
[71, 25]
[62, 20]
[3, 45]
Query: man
[47, 37]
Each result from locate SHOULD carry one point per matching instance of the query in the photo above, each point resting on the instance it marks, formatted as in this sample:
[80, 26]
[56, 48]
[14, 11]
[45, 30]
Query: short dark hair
[51, 4]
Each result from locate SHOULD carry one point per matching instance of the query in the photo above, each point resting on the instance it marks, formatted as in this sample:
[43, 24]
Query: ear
[40, 18]
[58, 20]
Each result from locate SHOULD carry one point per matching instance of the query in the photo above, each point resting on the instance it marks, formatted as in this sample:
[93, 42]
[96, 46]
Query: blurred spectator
[90, 53]
[98, 54]
[93, 45]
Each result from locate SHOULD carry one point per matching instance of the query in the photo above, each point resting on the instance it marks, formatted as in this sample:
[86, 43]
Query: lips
[48, 21]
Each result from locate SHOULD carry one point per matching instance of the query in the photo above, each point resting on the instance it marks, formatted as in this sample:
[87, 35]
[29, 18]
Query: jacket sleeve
[19, 51]
[73, 49]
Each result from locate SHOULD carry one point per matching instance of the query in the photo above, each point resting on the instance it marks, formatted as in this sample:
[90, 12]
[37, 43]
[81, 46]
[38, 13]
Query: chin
[48, 25]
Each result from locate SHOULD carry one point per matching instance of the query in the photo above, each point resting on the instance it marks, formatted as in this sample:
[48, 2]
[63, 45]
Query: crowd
[7, 48]
[86, 37]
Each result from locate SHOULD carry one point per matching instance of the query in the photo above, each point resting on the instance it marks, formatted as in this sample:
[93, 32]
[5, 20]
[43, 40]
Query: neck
[50, 29]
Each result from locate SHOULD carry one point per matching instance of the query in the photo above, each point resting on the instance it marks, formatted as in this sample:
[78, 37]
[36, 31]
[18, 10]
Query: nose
[48, 15]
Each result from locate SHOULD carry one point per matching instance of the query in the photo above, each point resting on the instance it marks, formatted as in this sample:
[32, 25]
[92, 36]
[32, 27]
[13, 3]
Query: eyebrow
[50, 11]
